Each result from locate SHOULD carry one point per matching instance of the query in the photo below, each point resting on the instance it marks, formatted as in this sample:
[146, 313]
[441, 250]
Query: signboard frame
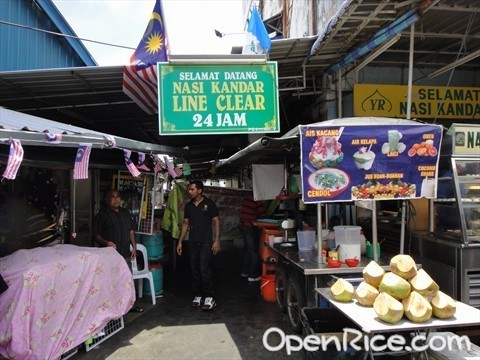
[402, 174]
[218, 98]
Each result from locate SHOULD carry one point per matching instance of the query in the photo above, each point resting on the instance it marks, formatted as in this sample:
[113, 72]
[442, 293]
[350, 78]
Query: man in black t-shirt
[198, 217]
[113, 226]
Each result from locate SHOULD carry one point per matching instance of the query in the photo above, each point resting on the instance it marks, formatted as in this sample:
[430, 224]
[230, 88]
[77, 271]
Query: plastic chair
[145, 273]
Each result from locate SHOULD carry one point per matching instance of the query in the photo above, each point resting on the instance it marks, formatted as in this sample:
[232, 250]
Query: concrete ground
[173, 330]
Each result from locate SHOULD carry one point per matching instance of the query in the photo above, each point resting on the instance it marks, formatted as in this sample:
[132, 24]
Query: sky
[190, 25]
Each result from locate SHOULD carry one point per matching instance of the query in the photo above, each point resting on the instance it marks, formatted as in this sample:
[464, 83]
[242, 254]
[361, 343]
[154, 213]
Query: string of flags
[82, 159]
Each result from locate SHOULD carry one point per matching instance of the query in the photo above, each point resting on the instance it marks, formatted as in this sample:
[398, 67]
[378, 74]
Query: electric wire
[64, 35]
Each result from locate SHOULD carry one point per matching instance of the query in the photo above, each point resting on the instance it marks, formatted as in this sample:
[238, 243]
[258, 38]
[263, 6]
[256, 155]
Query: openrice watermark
[355, 339]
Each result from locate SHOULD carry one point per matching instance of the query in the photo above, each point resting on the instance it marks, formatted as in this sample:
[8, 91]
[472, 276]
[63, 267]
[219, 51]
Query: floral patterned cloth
[60, 296]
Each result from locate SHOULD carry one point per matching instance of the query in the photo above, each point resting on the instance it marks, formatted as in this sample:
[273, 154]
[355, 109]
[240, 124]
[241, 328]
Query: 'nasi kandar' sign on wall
[210, 99]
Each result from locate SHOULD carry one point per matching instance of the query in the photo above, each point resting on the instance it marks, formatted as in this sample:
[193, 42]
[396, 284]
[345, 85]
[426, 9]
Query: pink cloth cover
[60, 296]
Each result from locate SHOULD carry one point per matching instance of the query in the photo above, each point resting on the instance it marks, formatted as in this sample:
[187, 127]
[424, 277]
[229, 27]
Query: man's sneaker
[197, 301]
[209, 304]
[243, 275]
[254, 279]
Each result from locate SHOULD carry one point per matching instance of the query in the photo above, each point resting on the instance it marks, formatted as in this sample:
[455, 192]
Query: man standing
[251, 210]
[200, 211]
[113, 227]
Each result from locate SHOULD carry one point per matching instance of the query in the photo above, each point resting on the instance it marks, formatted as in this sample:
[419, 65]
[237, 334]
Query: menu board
[370, 162]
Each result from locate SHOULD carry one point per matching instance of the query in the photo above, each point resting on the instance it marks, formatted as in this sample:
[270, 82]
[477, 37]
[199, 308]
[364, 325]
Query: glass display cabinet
[450, 250]
[456, 211]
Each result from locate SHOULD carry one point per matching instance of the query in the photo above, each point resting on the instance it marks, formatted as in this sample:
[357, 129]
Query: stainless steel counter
[308, 262]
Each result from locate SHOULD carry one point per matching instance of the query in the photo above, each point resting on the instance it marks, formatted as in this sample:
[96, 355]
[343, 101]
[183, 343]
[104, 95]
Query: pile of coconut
[404, 290]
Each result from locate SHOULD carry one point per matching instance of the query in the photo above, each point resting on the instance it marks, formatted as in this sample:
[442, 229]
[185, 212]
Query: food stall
[356, 159]
[450, 249]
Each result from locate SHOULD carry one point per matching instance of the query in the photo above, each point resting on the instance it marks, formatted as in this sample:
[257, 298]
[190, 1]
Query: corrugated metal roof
[30, 130]
[23, 47]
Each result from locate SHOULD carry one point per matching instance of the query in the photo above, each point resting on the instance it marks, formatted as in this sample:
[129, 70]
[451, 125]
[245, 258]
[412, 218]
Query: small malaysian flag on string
[52, 138]
[141, 162]
[178, 170]
[170, 169]
[159, 165]
[109, 141]
[80, 169]
[15, 158]
[130, 165]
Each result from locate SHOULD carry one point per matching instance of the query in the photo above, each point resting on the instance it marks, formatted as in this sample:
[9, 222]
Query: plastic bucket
[154, 245]
[157, 273]
[138, 238]
[306, 240]
[267, 288]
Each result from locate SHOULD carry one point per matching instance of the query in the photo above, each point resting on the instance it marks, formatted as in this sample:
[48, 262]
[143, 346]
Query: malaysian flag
[80, 170]
[140, 77]
[109, 141]
[141, 162]
[130, 165]
[159, 165]
[15, 158]
[52, 138]
[178, 170]
[170, 169]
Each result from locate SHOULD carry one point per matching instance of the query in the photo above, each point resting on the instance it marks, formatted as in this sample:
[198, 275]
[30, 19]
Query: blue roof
[54, 14]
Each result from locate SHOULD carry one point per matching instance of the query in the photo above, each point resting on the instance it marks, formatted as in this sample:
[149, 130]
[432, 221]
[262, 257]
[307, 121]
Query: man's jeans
[202, 283]
[251, 259]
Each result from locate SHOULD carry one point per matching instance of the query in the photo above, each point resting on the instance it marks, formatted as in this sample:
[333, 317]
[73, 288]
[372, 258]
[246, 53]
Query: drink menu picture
[371, 162]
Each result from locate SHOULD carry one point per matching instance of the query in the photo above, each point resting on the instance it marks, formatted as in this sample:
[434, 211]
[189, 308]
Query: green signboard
[218, 99]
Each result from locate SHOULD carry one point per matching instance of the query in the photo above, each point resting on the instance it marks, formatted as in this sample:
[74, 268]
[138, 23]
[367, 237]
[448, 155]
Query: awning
[30, 130]
[276, 150]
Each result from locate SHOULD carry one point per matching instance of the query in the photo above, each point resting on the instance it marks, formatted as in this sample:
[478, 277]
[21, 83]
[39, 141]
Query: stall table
[309, 266]
[369, 323]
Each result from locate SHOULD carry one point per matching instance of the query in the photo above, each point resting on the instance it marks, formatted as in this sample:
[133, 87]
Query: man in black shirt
[198, 217]
[113, 226]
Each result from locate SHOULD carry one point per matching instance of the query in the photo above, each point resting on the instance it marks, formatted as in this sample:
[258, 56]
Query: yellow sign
[427, 101]
[466, 139]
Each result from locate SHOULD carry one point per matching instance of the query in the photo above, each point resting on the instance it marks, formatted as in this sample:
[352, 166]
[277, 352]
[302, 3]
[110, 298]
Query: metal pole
[402, 227]
[339, 93]
[374, 231]
[410, 71]
[319, 229]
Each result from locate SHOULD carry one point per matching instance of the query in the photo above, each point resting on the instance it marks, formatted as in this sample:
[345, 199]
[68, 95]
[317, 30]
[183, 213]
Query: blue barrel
[157, 272]
[138, 238]
[154, 245]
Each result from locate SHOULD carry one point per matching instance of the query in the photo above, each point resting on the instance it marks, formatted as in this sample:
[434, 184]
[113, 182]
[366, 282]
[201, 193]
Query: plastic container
[328, 322]
[363, 243]
[157, 273]
[348, 238]
[267, 288]
[154, 245]
[331, 240]
[370, 250]
[306, 240]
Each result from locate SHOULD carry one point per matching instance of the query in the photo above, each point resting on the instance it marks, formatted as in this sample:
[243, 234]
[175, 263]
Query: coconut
[424, 284]
[366, 294]
[404, 266]
[342, 290]
[388, 308]
[417, 308]
[444, 306]
[395, 286]
[373, 274]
